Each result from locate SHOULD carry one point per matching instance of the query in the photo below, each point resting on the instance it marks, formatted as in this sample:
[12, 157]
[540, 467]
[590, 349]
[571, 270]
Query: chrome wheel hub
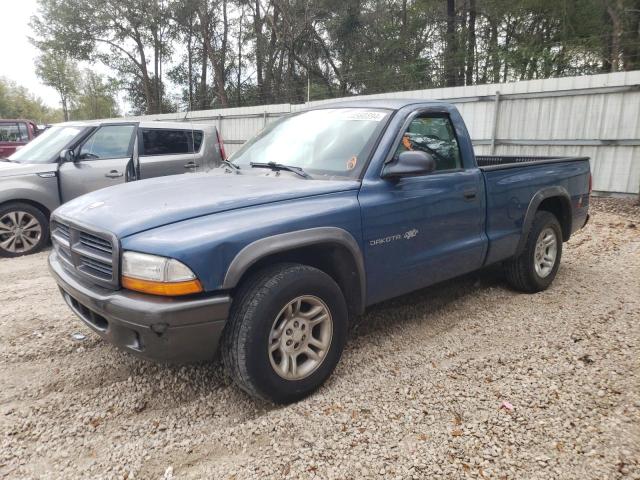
[546, 251]
[20, 232]
[300, 337]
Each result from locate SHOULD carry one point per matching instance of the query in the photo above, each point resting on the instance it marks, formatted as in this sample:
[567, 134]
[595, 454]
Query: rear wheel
[24, 229]
[536, 267]
[286, 332]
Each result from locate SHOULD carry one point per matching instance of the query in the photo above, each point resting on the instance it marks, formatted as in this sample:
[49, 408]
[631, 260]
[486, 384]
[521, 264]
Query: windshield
[330, 142]
[46, 147]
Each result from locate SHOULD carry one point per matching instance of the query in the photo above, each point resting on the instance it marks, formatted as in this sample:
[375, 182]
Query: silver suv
[74, 158]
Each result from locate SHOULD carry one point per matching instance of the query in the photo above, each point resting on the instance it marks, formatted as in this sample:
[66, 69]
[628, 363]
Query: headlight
[157, 275]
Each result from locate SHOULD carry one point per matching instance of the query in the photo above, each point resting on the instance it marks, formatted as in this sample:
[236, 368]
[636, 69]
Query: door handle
[191, 165]
[470, 194]
[113, 174]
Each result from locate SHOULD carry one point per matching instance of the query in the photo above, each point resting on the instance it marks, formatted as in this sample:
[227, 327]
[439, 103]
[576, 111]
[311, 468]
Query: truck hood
[12, 169]
[139, 206]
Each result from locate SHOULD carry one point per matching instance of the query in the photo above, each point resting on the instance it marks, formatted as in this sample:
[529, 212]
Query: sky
[18, 55]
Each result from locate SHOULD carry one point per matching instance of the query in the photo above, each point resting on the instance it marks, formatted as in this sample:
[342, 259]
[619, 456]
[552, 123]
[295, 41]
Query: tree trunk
[190, 62]
[471, 43]
[65, 110]
[239, 72]
[615, 12]
[219, 60]
[631, 49]
[146, 81]
[451, 47]
[257, 27]
[204, 30]
[495, 54]
[403, 32]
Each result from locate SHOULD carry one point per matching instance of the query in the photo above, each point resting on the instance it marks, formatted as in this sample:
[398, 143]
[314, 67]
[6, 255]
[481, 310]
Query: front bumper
[156, 328]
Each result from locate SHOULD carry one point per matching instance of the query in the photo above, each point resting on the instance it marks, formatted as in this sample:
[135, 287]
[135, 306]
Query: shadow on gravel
[419, 305]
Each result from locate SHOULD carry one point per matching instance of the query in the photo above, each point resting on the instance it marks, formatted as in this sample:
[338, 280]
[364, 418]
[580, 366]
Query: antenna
[193, 135]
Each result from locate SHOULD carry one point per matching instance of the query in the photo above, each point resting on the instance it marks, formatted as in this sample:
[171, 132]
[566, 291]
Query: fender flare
[264, 247]
[538, 198]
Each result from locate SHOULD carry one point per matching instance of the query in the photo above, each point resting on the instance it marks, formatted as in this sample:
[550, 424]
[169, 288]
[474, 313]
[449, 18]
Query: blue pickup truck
[325, 212]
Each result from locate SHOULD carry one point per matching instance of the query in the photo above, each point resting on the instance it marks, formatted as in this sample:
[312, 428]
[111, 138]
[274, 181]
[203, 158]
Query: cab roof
[388, 103]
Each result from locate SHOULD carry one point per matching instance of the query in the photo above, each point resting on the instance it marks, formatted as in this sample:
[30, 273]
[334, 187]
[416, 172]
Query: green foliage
[221, 53]
[96, 98]
[56, 70]
[18, 102]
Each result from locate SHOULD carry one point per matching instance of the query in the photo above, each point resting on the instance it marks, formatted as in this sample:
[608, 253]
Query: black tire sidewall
[38, 215]
[543, 220]
[259, 320]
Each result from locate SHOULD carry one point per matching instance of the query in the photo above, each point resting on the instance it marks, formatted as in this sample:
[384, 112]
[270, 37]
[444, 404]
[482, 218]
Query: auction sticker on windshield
[365, 115]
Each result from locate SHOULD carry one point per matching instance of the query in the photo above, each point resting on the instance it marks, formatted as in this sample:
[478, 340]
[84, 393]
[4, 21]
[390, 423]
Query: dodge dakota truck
[323, 213]
[75, 158]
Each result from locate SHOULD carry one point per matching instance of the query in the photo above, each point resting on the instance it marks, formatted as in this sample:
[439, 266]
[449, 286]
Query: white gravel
[418, 392]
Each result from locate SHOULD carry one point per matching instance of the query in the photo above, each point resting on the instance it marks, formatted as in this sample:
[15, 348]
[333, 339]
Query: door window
[157, 141]
[433, 135]
[111, 141]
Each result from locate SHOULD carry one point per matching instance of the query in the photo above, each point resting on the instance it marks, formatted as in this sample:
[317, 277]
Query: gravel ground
[467, 379]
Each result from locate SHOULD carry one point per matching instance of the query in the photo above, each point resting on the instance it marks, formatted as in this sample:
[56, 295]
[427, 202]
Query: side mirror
[411, 162]
[67, 156]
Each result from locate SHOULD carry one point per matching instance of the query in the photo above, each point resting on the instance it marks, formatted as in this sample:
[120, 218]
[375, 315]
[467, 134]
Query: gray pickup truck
[74, 158]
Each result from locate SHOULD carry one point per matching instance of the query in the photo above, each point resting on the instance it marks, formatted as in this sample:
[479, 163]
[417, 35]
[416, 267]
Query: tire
[258, 313]
[24, 229]
[521, 271]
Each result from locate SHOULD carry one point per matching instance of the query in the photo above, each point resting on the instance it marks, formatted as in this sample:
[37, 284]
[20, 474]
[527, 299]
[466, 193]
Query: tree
[57, 71]
[122, 34]
[240, 52]
[96, 98]
[18, 102]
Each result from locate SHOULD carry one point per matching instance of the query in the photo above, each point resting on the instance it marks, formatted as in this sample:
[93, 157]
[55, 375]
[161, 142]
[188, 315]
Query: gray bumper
[156, 328]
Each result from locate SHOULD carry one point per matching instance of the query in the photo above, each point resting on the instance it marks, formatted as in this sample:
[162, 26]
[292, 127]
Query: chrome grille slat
[90, 254]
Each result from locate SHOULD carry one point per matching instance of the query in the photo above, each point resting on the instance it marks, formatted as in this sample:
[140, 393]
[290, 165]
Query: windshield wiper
[281, 166]
[231, 164]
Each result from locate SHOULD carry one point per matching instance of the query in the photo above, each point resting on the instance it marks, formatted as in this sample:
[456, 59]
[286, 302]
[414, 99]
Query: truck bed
[499, 162]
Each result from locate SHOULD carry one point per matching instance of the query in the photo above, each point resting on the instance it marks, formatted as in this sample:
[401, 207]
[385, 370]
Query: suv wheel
[24, 229]
[286, 332]
[536, 267]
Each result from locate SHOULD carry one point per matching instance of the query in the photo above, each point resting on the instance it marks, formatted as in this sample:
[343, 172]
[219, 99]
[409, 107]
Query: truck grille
[91, 254]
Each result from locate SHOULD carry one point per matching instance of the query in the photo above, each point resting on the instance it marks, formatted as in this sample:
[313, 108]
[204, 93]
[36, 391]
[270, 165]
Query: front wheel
[286, 332]
[536, 267]
[24, 229]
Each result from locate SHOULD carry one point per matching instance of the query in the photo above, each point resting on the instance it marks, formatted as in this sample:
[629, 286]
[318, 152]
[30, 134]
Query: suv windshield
[46, 147]
[329, 142]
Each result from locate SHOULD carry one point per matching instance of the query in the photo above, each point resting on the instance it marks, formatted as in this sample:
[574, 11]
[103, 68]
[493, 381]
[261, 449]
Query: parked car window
[13, 132]
[433, 135]
[24, 133]
[46, 148]
[197, 140]
[111, 141]
[158, 141]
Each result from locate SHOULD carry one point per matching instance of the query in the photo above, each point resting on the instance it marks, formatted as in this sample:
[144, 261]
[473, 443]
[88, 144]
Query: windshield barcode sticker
[365, 115]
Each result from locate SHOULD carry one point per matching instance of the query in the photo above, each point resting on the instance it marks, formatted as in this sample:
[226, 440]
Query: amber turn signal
[167, 289]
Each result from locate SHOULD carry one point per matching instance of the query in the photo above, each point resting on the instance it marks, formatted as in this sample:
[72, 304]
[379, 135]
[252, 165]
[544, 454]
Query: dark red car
[14, 134]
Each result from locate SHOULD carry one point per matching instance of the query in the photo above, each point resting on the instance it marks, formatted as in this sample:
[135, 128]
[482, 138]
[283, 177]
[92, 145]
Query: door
[169, 151]
[102, 160]
[419, 230]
